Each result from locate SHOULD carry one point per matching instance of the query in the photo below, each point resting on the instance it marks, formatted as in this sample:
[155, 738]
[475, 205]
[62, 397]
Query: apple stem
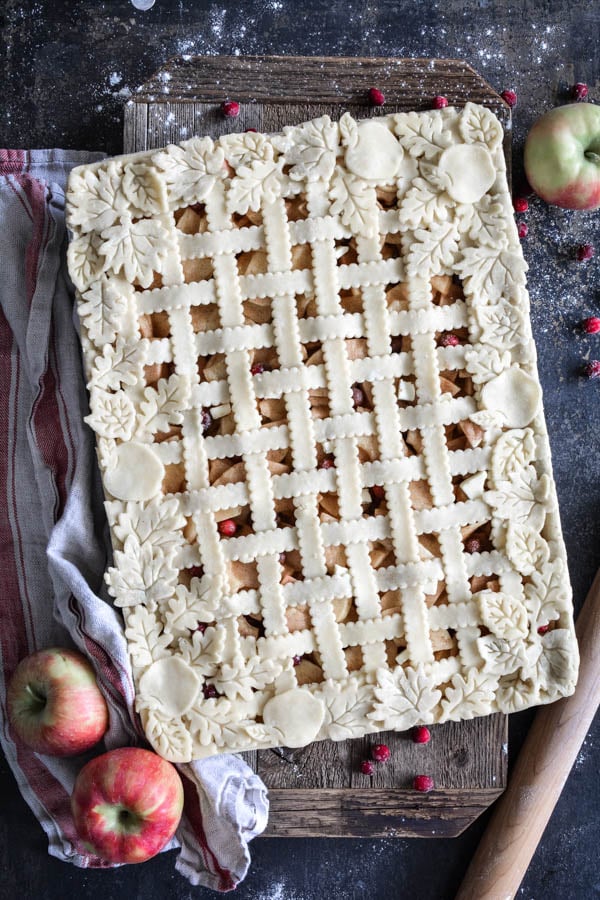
[38, 698]
[592, 156]
[127, 819]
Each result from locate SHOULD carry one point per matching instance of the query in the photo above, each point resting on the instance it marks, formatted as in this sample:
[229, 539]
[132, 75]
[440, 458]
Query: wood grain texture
[280, 80]
[319, 790]
[542, 768]
[376, 813]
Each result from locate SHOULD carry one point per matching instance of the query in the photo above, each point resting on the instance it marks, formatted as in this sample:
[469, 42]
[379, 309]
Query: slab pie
[319, 424]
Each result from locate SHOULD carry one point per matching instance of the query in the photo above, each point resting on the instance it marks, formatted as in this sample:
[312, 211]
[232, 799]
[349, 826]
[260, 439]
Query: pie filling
[319, 424]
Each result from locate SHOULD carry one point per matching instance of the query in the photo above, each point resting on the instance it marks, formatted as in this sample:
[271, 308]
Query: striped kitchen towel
[54, 542]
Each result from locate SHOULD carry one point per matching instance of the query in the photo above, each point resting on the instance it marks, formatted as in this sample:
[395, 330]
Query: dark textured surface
[66, 71]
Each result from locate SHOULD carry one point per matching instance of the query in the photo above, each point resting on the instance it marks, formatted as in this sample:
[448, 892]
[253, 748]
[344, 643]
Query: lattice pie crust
[319, 423]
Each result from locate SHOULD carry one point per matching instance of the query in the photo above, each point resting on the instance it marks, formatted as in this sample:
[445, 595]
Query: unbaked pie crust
[319, 424]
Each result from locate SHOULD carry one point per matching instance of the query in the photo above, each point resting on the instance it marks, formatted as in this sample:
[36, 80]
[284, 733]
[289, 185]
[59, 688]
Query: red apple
[54, 703]
[562, 156]
[127, 804]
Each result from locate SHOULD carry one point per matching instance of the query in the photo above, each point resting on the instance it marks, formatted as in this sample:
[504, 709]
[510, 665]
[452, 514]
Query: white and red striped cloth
[54, 542]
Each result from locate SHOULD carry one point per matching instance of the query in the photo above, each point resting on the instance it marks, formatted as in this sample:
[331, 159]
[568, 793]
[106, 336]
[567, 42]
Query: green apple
[562, 156]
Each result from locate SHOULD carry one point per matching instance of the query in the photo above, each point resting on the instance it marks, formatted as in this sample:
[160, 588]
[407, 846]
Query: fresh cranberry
[543, 629]
[367, 767]
[449, 340]
[473, 545]
[209, 691]
[327, 462]
[579, 91]
[584, 252]
[522, 230]
[227, 527]
[377, 492]
[423, 783]
[196, 571]
[376, 97]
[230, 109]
[440, 102]
[358, 396]
[592, 369]
[421, 734]
[380, 752]
[257, 369]
[509, 97]
[591, 325]
[520, 204]
[296, 660]
[207, 420]
[201, 627]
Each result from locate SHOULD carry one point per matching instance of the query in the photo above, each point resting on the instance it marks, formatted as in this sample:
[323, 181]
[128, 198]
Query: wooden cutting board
[319, 791]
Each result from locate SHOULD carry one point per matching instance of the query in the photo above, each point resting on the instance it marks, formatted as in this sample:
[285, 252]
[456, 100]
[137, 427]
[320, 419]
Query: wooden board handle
[544, 763]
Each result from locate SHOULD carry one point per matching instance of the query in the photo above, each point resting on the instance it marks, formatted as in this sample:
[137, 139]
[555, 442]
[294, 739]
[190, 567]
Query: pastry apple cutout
[562, 156]
[54, 703]
[127, 804]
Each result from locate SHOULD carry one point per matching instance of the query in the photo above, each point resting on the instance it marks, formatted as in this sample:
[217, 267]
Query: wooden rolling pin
[544, 763]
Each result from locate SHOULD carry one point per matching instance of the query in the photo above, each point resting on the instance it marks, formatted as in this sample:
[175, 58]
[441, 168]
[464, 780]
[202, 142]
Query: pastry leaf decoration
[403, 698]
[556, 665]
[547, 593]
[204, 650]
[421, 205]
[436, 178]
[478, 125]
[254, 185]
[96, 199]
[517, 499]
[346, 707]
[434, 249]
[485, 222]
[119, 364]
[501, 325]
[140, 575]
[242, 679]
[354, 202]
[207, 719]
[112, 415]
[158, 523]
[500, 655]
[169, 737]
[526, 548]
[503, 614]
[146, 641]
[491, 271]
[483, 366]
[102, 308]
[137, 249]
[515, 693]
[468, 697]
[85, 259]
[313, 150]
[512, 452]
[422, 136]
[190, 169]
[162, 406]
[144, 189]
[244, 149]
